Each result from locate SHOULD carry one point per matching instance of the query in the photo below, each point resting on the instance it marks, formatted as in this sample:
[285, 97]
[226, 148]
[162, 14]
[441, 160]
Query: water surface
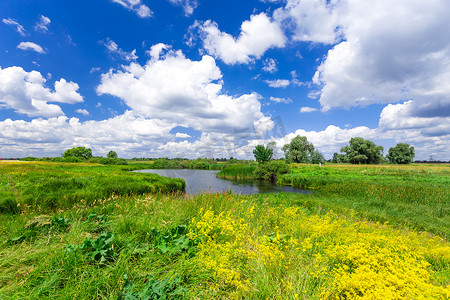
[198, 181]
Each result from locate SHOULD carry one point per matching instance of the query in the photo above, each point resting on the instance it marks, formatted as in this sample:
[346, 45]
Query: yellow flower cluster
[342, 256]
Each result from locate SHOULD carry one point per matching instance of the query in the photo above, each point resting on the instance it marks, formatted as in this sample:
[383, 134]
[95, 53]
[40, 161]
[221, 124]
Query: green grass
[51, 186]
[139, 247]
[237, 172]
[126, 245]
[413, 196]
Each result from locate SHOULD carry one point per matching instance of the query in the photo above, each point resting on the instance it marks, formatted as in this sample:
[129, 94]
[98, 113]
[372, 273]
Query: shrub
[271, 171]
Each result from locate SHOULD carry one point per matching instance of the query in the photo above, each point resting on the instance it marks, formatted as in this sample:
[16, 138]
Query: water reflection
[198, 181]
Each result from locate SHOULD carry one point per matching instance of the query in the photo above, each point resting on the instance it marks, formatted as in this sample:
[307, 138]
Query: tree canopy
[80, 152]
[299, 150]
[361, 151]
[112, 154]
[402, 153]
[263, 154]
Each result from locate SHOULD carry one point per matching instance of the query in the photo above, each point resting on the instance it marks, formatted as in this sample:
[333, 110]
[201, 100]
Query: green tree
[112, 154]
[79, 152]
[317, 157]
[339, 158]
[299, 150]
[402, 153]
[361, 151]
[263, 154]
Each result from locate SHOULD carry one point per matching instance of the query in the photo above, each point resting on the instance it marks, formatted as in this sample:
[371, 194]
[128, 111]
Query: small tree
[299, 150]
[402, 153]
[317, 157]
[112, 154]
[339, 158]
[361, 151]
[80, 152]
[263, 154]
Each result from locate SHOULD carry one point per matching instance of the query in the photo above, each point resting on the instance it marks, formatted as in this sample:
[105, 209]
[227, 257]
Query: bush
[72, 159]
[271, 171]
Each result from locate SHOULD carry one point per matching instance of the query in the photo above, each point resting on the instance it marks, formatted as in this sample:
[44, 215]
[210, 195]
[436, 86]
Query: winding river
[198, 181]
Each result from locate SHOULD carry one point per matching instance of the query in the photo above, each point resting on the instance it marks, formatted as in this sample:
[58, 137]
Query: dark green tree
[317, 157]
[339, 158]
[80, 152]
[402, 153]
[112, 154]
[299, 150]
[263, 154]
[361, 151]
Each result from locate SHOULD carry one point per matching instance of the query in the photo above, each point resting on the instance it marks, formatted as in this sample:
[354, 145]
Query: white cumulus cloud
[306, 109]
[385, 51]
[278, 83]
[280, 100]
[188, 5]
[114, 49]
[31, 46]
[257, 35]
[26, 93]
[42, 24]
[19, 28]
[174, 88]
[136, 6]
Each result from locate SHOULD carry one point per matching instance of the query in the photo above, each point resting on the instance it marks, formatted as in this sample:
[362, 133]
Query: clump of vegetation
[263, 154]
[361, 151]
[299, 150]
[402, 153]
[56, 186]
[271, 170]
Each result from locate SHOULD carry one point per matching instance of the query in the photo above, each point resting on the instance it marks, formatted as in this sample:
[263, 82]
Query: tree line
[358, 151]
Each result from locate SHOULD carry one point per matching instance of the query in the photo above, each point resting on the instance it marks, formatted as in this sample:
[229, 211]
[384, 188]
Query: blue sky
[192, 78]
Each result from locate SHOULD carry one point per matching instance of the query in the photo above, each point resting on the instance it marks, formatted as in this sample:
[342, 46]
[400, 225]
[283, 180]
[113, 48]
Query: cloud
[51, 137]
[26, 94]
[257, 35]
[278, 83]
[384, 52]
[182, 135]
[281, 100]
[188, 5]
[19, 28]
[82, 111]
[136, 6]
[270, 65]
[114, 49]
[410, 115]
[312, 20]
[174, 88]
[307, 109]
[94, 69]
[30, 46]
[42, 24]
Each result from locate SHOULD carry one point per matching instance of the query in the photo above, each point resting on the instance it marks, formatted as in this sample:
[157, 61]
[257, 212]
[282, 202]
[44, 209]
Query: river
[198, 181]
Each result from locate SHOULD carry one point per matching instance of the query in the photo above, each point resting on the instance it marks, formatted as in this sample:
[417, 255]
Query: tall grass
[51, 186]
[417, 198]
[237, 172]
[215, 246]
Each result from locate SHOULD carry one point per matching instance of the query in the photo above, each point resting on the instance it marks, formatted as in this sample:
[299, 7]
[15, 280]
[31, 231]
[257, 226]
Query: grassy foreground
[211, 246]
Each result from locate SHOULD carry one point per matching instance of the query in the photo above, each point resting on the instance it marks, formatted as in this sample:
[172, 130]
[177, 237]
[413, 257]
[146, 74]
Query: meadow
[157, 244]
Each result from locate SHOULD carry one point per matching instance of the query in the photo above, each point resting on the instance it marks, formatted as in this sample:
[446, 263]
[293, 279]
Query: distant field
[154, 244]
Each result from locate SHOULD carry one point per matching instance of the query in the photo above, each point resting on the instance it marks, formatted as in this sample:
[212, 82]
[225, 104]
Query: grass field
[220, 246]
